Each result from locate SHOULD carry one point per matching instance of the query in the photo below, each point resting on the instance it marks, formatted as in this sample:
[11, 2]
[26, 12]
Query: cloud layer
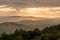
[30, 3]
[12, 7]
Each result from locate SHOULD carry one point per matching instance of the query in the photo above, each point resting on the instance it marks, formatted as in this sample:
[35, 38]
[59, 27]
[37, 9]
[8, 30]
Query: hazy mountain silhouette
[44, 22]
[10, 23]
[11, 27]
[16, 18]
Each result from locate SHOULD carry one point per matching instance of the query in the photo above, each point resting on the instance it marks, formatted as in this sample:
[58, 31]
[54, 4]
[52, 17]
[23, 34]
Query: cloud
[16, 5]
[30, 3]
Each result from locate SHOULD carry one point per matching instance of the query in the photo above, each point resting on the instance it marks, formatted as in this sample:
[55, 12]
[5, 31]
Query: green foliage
[4, 36]
[49, 33]
[35, 33]
[21, 35]
[19, 38]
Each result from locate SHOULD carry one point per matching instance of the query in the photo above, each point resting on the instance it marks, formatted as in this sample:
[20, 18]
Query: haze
[35, 8]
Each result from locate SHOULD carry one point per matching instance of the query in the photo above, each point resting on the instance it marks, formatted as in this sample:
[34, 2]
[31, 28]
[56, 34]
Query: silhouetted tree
[19, 38]
[4, 36]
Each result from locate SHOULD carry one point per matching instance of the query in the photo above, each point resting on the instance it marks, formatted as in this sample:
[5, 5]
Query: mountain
[16, 18]
[51, 33]
[10, 23]
[43, 23]
[11, 27]
[52, 29]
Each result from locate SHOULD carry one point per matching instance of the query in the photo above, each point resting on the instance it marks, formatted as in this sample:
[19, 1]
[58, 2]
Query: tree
[4, 36]
[16, 33]
[34, 33]
[19, 38]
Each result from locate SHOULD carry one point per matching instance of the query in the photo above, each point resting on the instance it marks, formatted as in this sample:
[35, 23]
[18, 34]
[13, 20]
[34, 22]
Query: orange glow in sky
[40, 12]
[46, 12]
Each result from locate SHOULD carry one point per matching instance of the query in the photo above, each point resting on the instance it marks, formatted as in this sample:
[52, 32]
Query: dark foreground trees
[21, 35]
[49, 33]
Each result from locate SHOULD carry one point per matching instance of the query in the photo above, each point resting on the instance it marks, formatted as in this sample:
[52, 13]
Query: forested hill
[11, 27]
[49, 33]
[55, 29]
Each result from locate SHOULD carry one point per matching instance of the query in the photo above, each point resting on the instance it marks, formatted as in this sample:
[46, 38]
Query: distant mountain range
[11, 27]
[16, 18]
[11, 23]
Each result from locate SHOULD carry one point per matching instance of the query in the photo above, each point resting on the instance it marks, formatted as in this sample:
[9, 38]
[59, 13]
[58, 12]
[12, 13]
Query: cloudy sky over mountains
[40, 13]
[36, 8]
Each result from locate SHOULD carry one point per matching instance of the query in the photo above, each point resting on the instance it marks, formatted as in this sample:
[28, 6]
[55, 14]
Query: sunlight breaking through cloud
[45, 12]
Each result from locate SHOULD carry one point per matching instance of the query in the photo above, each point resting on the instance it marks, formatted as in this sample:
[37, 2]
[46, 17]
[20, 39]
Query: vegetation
[49, 33]
[21, 35]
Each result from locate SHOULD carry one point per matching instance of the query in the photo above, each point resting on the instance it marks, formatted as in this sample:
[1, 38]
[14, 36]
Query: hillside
[51, 33]
[52, 29]
[11, 27]
[48, 33]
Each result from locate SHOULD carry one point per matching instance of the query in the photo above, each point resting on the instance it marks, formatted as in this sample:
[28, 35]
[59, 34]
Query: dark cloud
[30, 3]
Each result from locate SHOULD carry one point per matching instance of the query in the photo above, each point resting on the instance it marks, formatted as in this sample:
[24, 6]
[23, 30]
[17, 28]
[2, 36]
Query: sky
[35, 8]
